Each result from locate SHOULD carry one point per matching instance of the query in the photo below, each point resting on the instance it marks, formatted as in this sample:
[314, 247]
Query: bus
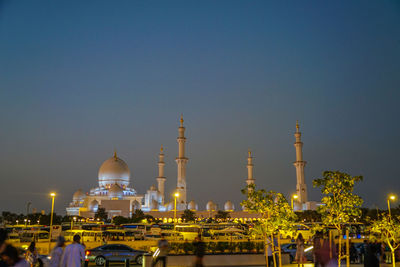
[189, 232]
[32, 235]
[86, 235]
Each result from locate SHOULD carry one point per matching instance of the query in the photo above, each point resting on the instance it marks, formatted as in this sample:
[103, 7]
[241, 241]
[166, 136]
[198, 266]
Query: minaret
[301, 187]
[161, 178]
[181, 161]
[250, 180]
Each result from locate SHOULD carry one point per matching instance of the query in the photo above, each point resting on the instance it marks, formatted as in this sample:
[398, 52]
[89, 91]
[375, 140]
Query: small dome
[211, 206]
[114, 171]
[116, 191]
[153, 188]
[229, 206]
[94, 205]
[78, 196]
[192, 206]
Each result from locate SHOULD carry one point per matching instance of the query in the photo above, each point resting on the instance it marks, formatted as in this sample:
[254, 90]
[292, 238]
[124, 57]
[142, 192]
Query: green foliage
[101, 214]
[277, 214]
[188, 216]
[388, 228]
[341, 204]
[222, 215]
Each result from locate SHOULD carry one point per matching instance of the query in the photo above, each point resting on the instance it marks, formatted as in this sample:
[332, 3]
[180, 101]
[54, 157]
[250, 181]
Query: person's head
[10, 255]
[31, 247]
[77, 238]
[300, 237]
[3, 238]
[60, 241]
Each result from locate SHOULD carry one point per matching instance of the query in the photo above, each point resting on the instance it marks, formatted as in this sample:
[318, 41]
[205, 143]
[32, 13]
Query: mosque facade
[116, 195]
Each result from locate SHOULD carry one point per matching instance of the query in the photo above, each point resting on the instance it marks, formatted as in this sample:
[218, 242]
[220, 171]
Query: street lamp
[294, 196]
[393, 198]
[51, 216]
[176, 195]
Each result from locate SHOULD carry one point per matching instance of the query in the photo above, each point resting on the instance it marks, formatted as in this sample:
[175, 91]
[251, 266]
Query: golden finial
[249, 151]
[297, 126]
[181, 120]
[115, 154]
[161, 149]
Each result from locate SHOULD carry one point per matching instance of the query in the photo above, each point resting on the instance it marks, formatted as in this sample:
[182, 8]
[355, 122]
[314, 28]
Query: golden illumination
[176, 194]
[295, 196]
[52, 194]
[392, 197]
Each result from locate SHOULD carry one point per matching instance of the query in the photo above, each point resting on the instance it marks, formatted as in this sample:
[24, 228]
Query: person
[353, 253]
[317, 244]
[199, 251]
[162, 252]
[300, 258]
[74, 254]
[3, 238]
[31, 255]
[57, 252]
[11, 257]
[269, 253]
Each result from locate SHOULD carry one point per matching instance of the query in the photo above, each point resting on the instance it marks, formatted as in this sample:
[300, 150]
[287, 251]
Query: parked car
[114, 252]
[291, 249]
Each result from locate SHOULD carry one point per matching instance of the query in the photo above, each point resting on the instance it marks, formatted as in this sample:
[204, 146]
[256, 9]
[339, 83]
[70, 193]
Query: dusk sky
[79, 79]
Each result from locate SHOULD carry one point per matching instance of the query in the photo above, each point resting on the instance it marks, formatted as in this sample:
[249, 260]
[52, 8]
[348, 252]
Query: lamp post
[391, 197]
[294, 196]
[51, 217]
[176, 195]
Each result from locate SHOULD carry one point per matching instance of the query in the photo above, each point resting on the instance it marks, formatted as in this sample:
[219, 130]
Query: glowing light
[176, 194]
[392, 197]
[295, 196]
[308, 249]
[52, 194]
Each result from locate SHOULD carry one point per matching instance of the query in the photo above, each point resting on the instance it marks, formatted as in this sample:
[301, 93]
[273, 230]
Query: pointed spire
[161, 149]
[249, 151]
[297, 126]
[115, 154]
[181, 120]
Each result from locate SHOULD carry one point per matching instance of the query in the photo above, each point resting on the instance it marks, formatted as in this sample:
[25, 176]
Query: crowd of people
[61, 256]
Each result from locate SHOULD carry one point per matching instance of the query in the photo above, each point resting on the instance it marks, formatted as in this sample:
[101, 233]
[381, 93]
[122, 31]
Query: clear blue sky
[80, 78]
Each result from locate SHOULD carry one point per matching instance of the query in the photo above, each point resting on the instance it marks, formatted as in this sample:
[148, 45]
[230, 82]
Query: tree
[222, 215]
[340, 204]
[389, 230]
[118, 220]
[188, 216]
[277, 216]
[101, 214]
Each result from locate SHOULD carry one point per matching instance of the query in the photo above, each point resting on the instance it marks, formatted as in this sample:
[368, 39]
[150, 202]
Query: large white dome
[114, 171]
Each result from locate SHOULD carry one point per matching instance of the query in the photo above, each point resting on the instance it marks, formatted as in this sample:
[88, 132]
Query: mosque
[115, 194]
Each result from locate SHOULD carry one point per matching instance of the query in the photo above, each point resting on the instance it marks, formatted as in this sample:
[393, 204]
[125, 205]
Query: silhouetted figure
[162, 252]
[74, 254]
[199, 251]
[371, 258]
[57, 252]
[317, 244]
[3, 238]
[31, 255]
[300, 257]
[11, 257]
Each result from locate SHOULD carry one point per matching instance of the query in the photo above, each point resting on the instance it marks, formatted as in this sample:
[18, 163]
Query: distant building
[115, 195]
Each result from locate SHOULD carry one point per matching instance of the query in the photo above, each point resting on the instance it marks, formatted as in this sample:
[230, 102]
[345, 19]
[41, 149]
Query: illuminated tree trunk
[266, 249]
[347, 248]
[273, 249]
[279, 250]
[339, 254]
